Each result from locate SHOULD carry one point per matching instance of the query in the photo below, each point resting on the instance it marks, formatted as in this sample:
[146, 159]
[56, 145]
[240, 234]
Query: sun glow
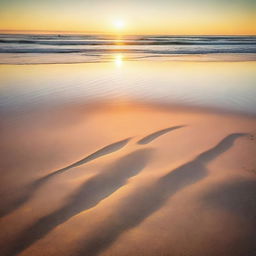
[144, 17]
[119, 24]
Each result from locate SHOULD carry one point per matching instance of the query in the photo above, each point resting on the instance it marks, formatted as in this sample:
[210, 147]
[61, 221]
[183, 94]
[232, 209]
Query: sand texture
[128, 179]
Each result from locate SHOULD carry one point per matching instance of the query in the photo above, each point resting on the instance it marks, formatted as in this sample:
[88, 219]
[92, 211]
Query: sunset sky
[182, 17]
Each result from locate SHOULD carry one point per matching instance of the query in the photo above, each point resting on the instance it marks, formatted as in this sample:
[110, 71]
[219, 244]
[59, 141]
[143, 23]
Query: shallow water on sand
[212, 84]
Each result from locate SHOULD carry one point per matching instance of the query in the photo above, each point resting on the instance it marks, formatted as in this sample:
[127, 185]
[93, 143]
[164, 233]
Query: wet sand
[127, 179]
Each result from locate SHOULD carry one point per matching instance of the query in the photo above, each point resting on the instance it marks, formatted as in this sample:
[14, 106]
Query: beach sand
[127, 179]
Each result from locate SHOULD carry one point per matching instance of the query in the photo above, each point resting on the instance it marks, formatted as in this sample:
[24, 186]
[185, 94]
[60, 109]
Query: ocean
[216, 72]
[21, 49]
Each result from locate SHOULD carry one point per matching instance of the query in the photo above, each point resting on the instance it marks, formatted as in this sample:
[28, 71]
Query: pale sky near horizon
[182, 17]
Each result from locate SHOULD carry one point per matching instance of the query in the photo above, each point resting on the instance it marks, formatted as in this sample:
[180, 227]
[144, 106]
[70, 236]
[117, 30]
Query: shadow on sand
[145, 201]
[157, 134]
[238, 198]
[27, 192]
[86, 196]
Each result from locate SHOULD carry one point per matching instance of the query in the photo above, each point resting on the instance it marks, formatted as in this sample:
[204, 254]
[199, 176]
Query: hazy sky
[135, 17]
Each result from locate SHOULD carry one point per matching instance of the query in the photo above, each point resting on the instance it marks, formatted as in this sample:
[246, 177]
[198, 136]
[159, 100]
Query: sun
[119, 24]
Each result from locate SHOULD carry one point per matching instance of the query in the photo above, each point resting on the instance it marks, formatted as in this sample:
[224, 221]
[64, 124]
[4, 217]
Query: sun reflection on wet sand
[118, 59]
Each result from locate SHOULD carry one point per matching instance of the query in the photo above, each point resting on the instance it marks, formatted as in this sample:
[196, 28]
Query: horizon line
[70, 32]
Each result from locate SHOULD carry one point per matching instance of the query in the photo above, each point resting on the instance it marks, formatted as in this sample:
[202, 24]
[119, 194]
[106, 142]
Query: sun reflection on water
[118, 59]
